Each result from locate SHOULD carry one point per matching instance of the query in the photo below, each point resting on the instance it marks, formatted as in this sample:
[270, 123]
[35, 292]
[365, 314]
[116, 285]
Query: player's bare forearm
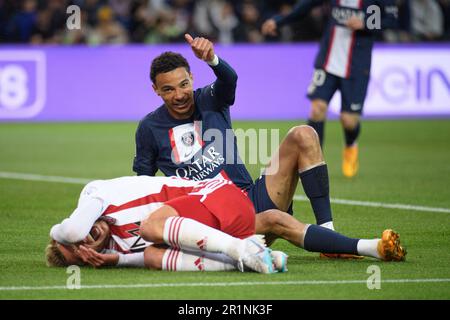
[96, 259]
[110, 259]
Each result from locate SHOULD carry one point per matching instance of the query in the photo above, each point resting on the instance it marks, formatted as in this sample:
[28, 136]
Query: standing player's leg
[351, 126]
[170, 225]
[317, 117]
[353, 92]
[320, 91]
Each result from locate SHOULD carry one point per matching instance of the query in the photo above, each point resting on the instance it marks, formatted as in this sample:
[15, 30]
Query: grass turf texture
[401, 162]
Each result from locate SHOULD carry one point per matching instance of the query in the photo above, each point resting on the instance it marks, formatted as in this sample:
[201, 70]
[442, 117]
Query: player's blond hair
[54, 256]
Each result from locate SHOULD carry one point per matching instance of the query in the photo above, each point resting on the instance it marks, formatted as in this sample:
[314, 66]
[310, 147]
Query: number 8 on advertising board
[22, 83]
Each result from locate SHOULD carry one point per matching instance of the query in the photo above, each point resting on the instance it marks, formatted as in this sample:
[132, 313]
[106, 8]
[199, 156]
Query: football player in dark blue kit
[187, 137]
[342, 63]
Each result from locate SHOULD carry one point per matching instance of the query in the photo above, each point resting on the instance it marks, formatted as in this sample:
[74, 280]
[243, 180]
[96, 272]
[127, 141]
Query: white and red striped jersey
[127, 201]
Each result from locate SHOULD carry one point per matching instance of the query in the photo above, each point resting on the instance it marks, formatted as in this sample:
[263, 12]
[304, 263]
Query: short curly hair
[167, 61]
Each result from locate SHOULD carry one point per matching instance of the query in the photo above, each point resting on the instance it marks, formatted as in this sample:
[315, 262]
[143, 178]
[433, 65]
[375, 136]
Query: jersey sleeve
[223, 90]
[77, 226]
[146, 151]
[300, 10]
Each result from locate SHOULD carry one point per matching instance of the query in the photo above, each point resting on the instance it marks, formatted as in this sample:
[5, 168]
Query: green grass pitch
[402, 162]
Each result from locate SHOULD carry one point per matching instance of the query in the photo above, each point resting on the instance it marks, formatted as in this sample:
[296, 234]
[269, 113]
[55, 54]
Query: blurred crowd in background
[223, 21]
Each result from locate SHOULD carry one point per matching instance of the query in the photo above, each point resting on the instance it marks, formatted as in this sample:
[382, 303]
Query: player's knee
[349, 121]
[272, 218]
[303, 136]
[149, 230]
[318, 110]
[145, 230]
[152, 228]
[153, 257]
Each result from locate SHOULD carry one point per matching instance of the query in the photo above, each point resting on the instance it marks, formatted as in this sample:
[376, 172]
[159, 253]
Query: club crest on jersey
[188, 139]
[185, 141]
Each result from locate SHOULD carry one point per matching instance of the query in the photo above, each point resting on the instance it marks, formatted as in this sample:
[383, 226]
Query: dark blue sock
[319, 126]
[320, 239]
[316, 186]
[351, 135]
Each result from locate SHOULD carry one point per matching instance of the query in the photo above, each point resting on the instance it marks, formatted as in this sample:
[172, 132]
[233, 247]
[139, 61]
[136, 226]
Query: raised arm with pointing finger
[225, 85]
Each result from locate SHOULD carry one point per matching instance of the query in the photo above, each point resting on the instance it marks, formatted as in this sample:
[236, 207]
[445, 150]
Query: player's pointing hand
[202, 48]
[188, 38]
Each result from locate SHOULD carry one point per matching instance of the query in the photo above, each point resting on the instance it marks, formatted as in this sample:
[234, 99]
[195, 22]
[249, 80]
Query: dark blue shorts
[260, 197]
[353, 90]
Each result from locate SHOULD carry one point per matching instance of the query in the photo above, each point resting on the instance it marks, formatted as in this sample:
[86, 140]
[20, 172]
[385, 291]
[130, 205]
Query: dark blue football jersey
[344, 52]
[197, 148]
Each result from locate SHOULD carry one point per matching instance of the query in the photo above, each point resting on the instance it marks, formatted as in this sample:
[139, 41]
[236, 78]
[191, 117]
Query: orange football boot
[389, 246]
[350, 163]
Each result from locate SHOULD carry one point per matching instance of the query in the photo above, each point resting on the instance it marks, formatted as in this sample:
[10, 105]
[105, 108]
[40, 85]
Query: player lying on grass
[185, 215]
[175, 224]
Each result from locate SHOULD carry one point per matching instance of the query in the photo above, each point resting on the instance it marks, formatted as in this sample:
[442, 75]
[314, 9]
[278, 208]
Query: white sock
[176, 260]
[328, 225]
[187, 234]
[368, 248]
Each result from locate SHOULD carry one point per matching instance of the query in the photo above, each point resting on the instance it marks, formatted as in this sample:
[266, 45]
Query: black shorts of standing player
[353, 90]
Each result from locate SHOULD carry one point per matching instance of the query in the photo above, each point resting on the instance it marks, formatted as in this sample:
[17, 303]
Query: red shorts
[226, 209]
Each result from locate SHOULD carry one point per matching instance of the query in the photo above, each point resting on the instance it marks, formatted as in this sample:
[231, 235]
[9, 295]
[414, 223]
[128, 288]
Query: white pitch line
[223, 284]
[37, 177]
[379, 204]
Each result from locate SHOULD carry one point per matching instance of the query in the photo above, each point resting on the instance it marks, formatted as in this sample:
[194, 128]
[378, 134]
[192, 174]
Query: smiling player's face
[175, 88]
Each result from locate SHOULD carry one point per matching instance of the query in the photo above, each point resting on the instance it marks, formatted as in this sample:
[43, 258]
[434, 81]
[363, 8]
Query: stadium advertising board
[112, 83]
[407, 82]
